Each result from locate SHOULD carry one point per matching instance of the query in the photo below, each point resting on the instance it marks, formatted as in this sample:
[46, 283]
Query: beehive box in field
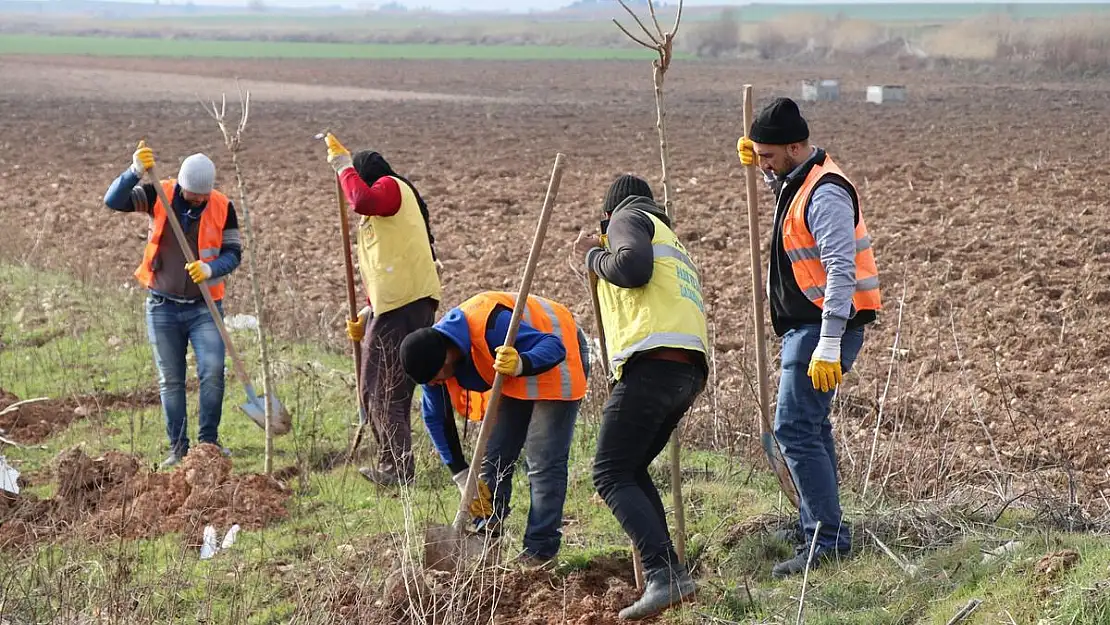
[881, 94]
[820, 90]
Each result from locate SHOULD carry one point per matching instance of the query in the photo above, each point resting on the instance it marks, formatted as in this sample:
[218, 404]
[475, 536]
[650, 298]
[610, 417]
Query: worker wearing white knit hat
[197, 174]
[176, 313]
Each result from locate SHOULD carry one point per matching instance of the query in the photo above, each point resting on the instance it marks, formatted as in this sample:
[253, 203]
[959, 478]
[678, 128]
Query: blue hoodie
[539, 352]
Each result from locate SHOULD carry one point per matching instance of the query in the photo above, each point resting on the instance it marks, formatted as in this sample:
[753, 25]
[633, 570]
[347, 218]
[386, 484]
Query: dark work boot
[662, 589]
[797, 564]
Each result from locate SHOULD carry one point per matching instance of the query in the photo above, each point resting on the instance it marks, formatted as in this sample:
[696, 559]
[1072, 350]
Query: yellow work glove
[338, 156]
[507, 361]
[824, 365]
[482, 504]
[481, 507]
[142, 159]
[745, 149]
[357, 329]
[198, 271]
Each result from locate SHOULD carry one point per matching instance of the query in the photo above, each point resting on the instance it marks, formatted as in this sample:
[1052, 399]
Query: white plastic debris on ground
[211, 547]
[9, 477]
[241, 322]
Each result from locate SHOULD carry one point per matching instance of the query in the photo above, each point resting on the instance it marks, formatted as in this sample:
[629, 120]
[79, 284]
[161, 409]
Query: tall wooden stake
[662, 43]
[766, 430]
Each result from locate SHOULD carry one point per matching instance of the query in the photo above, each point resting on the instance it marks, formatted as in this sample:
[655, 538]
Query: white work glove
[460, 479]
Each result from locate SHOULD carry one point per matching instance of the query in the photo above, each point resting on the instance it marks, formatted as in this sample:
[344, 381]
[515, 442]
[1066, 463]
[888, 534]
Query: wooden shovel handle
[490, 419]
[348, 265]
[766, 430]
[187, 251]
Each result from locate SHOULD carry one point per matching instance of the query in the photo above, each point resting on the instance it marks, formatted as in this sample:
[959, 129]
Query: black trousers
[643, 409]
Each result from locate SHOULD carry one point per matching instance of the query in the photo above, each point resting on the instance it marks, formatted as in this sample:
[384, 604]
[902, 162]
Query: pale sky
[526, 5]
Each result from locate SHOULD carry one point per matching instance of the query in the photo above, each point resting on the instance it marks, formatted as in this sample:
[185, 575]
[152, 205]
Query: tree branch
[677, 20]
[655, 20]
[642, 27]
[649, 46]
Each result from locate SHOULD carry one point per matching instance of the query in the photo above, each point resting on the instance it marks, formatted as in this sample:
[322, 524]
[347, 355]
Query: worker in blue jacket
[545, 371]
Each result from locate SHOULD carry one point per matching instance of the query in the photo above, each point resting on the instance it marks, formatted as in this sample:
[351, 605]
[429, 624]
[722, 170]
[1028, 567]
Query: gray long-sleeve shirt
[831, 221]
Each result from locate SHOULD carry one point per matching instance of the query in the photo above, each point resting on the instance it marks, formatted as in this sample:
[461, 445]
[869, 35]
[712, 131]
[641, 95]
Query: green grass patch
[59, 336]
[182, 48]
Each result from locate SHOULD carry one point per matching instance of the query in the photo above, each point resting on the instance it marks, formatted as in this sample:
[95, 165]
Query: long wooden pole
[463, 517]
[766, 429]
[352, 312]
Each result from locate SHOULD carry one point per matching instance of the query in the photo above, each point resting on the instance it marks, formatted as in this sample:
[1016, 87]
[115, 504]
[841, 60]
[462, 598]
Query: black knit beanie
[423, 353]
[781, 123]
[624, 187]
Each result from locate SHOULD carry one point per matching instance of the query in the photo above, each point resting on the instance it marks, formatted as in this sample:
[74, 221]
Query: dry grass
[1074, 45]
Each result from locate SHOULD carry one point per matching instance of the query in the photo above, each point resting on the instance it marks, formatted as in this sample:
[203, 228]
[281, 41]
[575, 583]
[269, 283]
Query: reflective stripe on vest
[566, 381]
[666, 312]
[210, 237]
[805, 257]
[395, 258]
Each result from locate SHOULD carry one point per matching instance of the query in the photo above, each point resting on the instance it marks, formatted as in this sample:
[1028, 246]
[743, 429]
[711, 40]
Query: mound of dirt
[114, 496]
[37, 421]
[592, 596]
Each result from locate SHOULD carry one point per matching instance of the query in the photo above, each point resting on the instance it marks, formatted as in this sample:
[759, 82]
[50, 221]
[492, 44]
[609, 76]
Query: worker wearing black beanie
[781, 123]
[652, 313]
[823, 287]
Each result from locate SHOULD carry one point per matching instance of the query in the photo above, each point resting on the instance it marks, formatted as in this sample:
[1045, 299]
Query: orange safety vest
[565, 382]
[468, 404]
[805, 258]
[209, 239]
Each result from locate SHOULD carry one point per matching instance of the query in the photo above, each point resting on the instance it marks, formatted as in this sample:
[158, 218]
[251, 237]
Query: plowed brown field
[986, 202]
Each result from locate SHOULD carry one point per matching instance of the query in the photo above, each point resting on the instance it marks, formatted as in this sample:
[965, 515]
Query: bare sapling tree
[233, 140]
[662, 43]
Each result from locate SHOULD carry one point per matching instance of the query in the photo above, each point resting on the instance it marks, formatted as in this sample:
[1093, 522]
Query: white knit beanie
[197, 174]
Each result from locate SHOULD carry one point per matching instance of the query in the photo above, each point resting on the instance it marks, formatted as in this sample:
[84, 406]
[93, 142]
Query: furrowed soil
[985, 199]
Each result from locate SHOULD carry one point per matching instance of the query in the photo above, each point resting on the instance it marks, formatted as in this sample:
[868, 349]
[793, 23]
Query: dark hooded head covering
[623, 188]
[371, 166]
[781, 123]
[423, 353]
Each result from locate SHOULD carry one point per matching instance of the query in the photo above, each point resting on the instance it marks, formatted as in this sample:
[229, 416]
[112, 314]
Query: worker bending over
[546, 367]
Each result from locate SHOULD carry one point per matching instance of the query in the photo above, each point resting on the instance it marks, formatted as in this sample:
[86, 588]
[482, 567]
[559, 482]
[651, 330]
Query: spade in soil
[451, 548]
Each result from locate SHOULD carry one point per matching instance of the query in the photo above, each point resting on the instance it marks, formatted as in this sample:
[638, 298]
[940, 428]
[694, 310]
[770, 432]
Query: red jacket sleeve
[381, 200]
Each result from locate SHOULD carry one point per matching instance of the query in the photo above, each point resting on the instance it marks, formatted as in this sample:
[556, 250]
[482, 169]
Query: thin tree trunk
[661, 126]
[267, 386]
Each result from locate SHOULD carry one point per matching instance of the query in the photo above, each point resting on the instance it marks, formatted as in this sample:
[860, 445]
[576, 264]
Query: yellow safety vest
[395, 258]
[668, 311]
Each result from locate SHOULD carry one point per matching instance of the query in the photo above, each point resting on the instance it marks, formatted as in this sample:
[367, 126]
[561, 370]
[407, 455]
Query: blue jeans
[804, 433]
[544, 430]
[171, 326]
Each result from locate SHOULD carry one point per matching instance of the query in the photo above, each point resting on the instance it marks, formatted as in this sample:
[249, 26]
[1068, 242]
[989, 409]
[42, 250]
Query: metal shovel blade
[256, 410]
[448, 550]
